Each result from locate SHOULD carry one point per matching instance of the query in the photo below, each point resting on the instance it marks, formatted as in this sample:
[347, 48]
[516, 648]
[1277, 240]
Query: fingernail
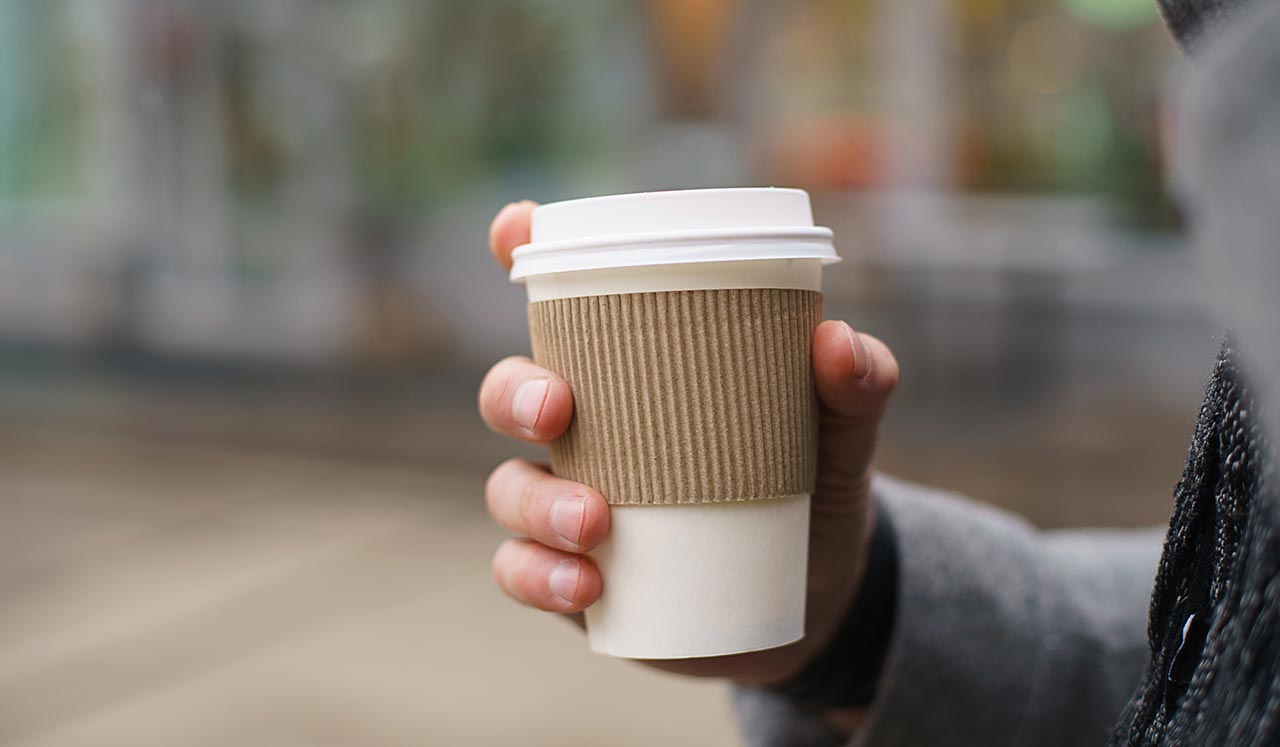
[566, 517]
[564, 580]
[526, 408]
[861, 357]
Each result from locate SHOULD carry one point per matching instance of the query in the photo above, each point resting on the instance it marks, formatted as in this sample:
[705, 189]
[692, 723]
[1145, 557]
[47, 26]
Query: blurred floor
[196, 565]
[162, 592]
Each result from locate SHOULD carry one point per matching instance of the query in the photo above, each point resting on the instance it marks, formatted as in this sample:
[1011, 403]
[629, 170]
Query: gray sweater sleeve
[1004, 635]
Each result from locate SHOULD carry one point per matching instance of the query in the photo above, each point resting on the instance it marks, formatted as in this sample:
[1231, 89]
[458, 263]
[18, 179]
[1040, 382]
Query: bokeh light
[1046, 54]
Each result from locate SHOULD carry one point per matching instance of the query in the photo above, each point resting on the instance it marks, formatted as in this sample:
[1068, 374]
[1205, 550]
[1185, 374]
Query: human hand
[560, 521]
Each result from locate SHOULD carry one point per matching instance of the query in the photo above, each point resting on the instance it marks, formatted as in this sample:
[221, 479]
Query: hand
[559, 521]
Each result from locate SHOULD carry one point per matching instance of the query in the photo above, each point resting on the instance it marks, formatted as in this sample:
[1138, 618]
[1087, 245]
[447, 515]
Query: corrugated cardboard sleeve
[685, 396]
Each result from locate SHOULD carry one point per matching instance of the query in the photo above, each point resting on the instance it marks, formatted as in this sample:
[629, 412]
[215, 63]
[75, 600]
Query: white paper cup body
[702, 579]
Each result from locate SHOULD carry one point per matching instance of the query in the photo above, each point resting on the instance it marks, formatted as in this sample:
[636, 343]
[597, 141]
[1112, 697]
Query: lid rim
[540, 248]
[577, 201]
[597, 257]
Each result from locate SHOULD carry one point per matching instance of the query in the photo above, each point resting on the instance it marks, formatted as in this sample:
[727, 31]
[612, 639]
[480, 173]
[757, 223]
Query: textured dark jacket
[1213, 674]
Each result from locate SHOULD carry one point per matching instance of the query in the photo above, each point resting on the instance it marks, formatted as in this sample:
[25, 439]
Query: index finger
[510, 228]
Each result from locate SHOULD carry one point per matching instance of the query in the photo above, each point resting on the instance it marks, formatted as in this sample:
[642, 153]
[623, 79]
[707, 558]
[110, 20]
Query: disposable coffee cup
[683, 322]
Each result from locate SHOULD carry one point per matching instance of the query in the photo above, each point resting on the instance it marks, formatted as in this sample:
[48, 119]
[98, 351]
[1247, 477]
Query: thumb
[854, 374]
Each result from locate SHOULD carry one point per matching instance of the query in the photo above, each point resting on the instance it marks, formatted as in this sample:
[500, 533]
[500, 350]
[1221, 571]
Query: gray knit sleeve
[1004, 635]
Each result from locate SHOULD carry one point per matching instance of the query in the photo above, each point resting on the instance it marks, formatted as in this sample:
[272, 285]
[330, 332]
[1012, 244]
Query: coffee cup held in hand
[683, 322]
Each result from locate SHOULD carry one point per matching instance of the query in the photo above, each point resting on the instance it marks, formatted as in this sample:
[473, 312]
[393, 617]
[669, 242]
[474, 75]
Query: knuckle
[492, 390]
[531, 494]
[510, 567]
[498, 565]
[491, 492]
[495, 485]
[495, 386]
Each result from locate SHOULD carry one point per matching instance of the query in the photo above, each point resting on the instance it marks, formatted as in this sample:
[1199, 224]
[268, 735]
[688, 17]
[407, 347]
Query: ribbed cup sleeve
[685, 396]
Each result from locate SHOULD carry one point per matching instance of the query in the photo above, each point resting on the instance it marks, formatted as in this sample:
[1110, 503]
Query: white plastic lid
[677, 227]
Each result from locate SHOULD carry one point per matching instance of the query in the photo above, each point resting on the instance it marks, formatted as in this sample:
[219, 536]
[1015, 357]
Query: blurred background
[245, 304]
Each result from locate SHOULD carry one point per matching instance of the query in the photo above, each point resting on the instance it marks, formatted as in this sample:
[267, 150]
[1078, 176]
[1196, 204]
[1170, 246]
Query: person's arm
[1001, 635]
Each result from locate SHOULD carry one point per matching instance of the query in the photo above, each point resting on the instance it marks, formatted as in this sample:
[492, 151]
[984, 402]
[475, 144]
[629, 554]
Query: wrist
[842, 673]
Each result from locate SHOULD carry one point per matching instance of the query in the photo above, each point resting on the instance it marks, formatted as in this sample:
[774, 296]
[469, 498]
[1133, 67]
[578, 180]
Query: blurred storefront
[309, 182]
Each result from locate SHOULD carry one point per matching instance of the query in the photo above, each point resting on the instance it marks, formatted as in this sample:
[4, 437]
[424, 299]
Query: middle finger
[524, 498]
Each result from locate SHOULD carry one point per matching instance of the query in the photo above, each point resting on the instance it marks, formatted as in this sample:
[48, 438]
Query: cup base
[713, 648]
